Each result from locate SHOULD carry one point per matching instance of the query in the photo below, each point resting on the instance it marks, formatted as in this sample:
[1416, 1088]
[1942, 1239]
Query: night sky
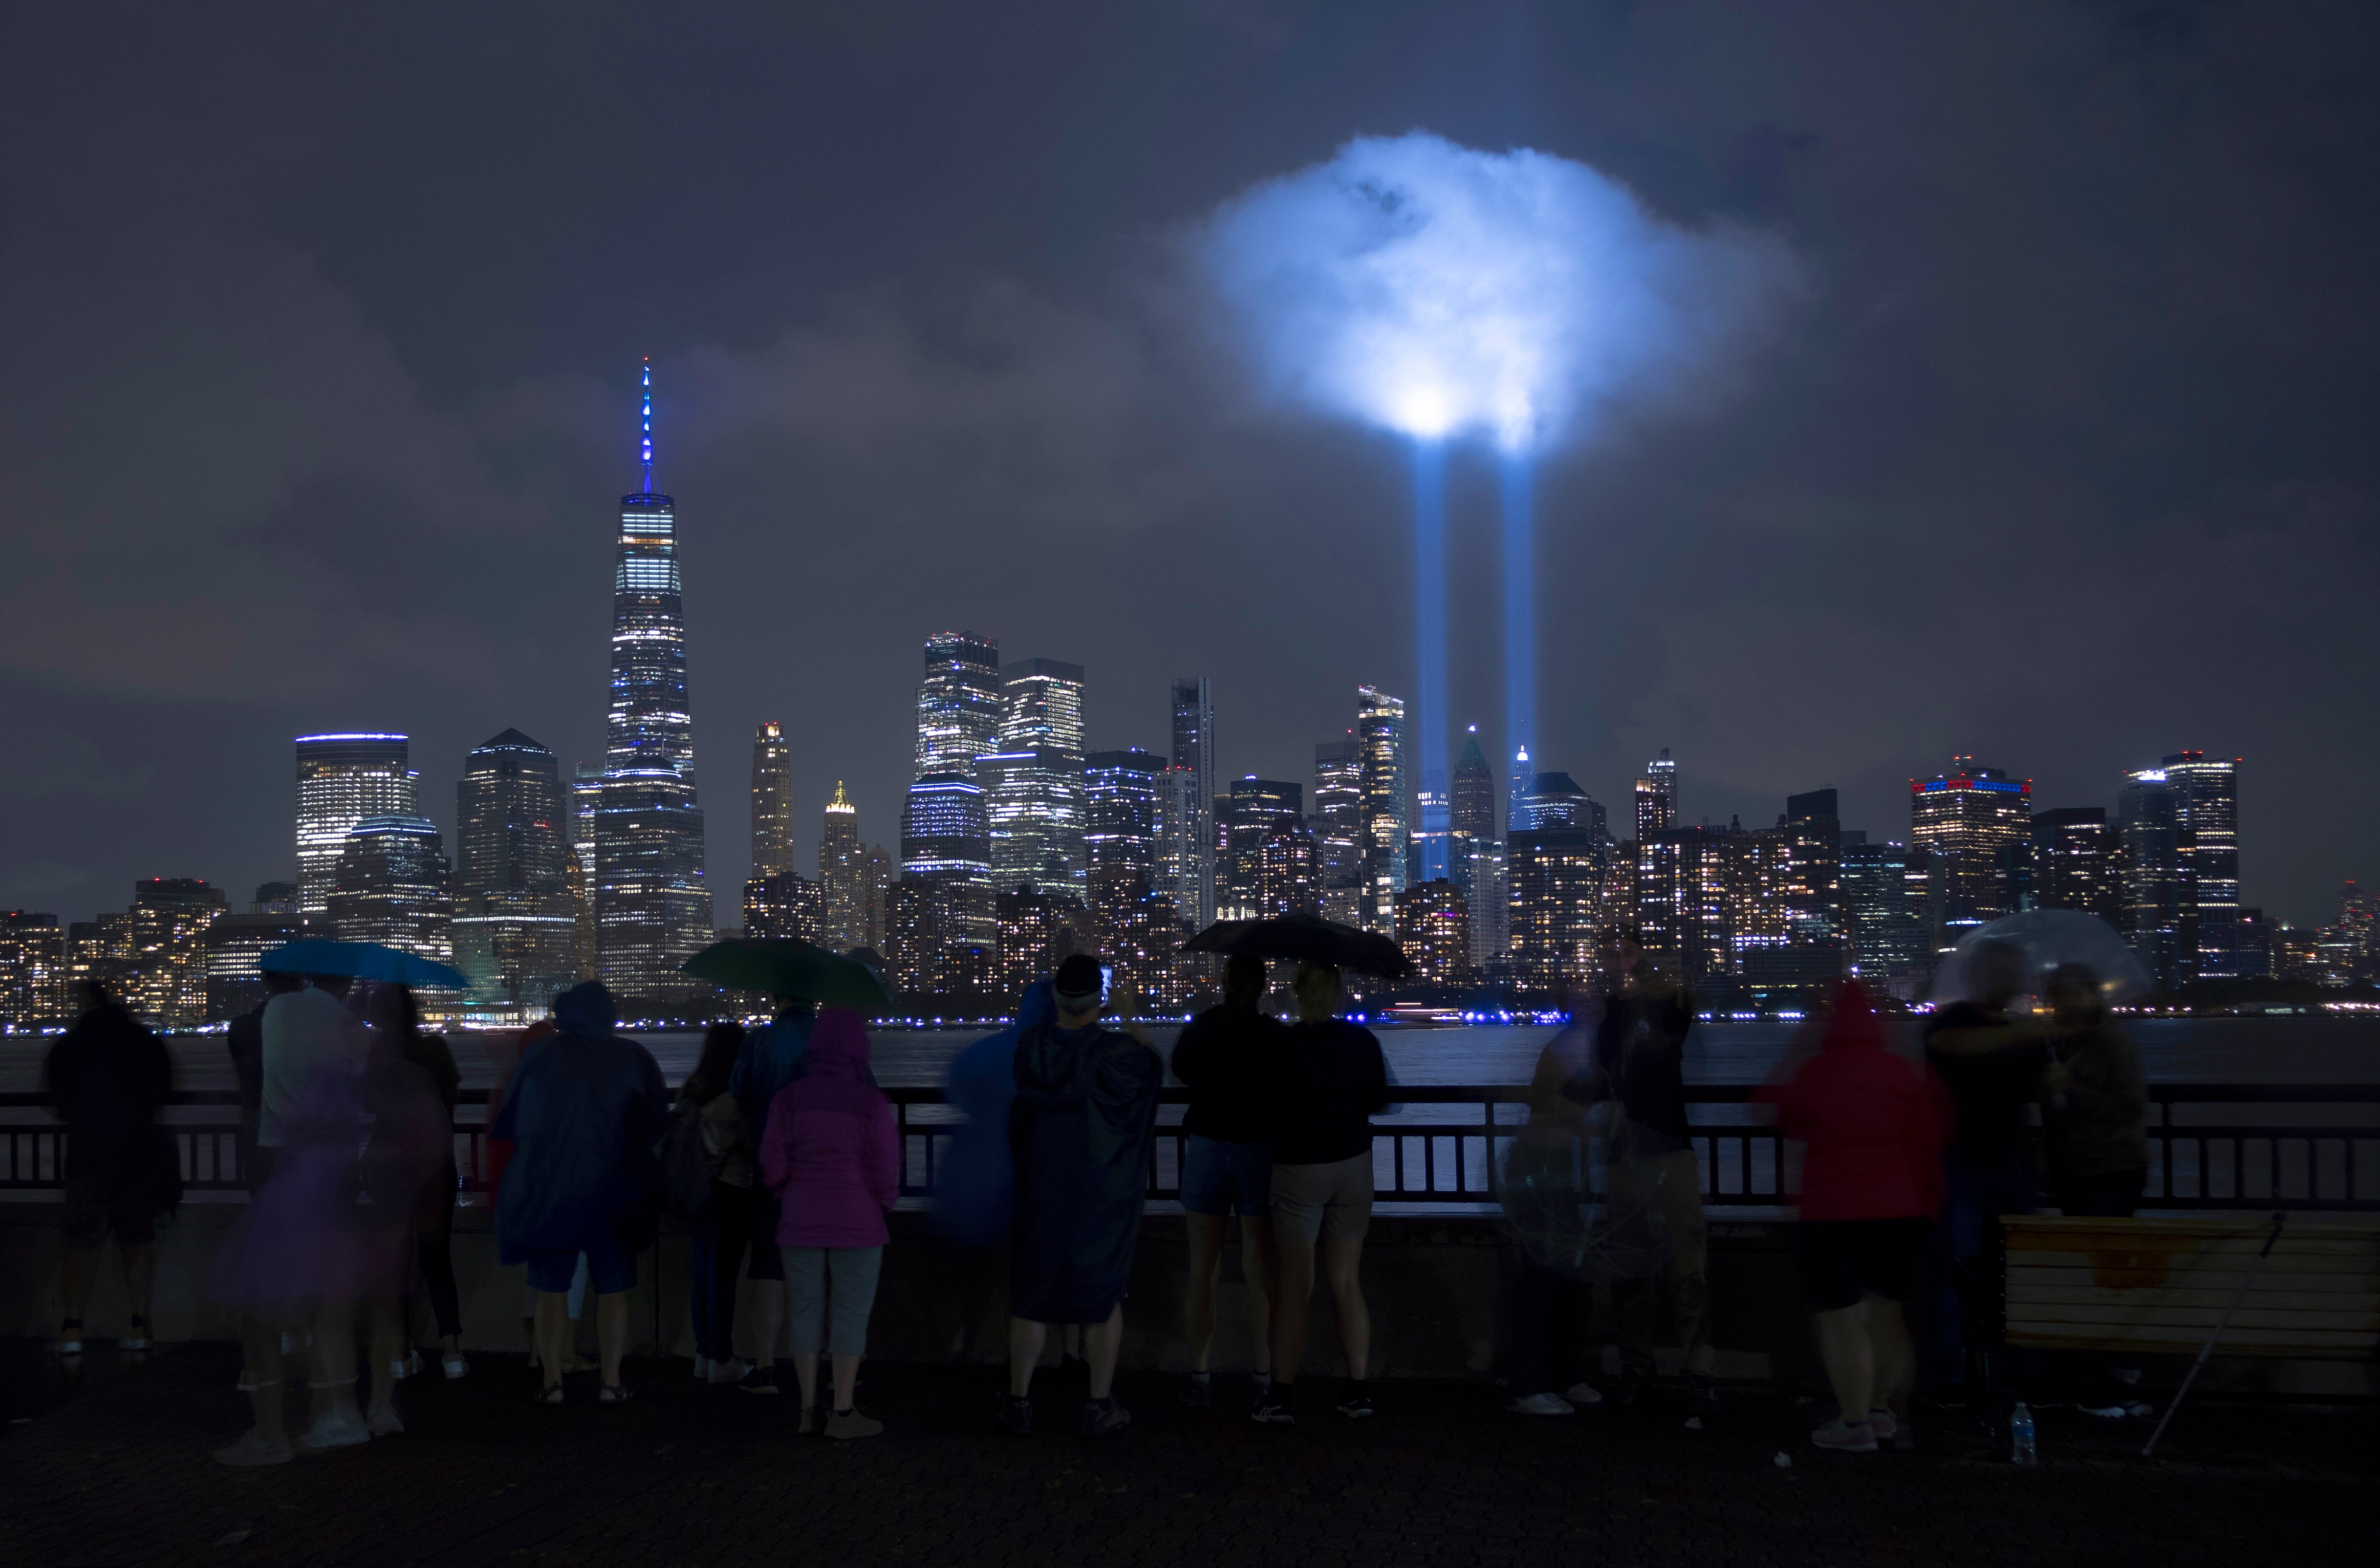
[322, 333]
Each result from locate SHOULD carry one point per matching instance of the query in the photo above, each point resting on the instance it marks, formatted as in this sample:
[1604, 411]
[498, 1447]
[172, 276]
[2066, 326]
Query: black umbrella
[788, 967]
[1307, 937]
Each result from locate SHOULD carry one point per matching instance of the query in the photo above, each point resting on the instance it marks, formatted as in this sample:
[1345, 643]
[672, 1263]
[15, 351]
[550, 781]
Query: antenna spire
[647, 453]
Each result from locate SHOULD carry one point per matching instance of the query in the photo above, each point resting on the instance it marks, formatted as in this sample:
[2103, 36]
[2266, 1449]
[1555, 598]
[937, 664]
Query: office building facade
[1657, 797]
[959, 704]
[515, 923]
[2206, 798]
[1337, 820]
[1883, 905]
[1194, 751]
[395, 886]
[842, 922]
[32, 970]
[1035, 779]
[2073, 863]
[1434, 931]
[772, 802]
[342, 779]
[1254, 810]
[1974, 825]
[1380, 742]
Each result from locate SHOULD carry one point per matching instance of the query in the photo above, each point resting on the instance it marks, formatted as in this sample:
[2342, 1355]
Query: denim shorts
[610, 1269]
[1226, 1178]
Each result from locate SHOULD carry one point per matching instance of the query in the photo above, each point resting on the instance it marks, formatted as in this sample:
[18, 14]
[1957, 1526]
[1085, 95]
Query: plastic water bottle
[2020, 1443]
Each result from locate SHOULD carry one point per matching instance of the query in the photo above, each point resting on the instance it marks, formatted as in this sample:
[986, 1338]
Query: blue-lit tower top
[650, 719]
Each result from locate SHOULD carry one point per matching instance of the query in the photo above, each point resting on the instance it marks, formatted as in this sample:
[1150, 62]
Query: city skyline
[293, 462]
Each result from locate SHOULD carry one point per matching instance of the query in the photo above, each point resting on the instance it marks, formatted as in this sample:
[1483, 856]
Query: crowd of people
[783, 1158]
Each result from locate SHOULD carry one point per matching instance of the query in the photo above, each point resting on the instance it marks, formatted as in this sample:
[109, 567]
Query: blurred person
[407, 1171]
[974, 1179]
[774, 1055]
[1548, 1155]
[1225, 1057]
[1991, 1059]
[499, 1155]
[106, 1079]
[584, 1112]
[833, 1158]
[721, 1233]
[1330, 1080]
[395, 1018]
[1080, 1133]
[1873, 1127]
[297, 1260]
[1640, 1046]
[2096, 1111]
[244, 1042]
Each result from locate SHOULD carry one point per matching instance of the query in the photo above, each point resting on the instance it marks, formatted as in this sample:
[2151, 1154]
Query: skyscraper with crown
[652, 908]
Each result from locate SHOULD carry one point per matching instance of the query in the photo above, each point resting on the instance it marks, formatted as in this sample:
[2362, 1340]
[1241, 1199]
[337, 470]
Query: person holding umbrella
[583, 1113]
[1080, 1133]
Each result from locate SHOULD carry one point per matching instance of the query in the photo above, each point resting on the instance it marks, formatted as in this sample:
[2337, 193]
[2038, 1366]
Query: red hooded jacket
[1874, 1123]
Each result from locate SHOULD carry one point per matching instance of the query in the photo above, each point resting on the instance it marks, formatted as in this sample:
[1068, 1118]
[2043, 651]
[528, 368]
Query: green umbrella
[787, 968]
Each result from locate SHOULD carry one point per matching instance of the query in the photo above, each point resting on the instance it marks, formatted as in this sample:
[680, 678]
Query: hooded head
[838, 1045]
[586, 1010]
[1854, 1026]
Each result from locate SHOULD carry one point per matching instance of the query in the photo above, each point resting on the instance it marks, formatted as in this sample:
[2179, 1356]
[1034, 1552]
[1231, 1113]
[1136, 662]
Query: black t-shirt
[1640, 1049]
[1225, 1058]
[1990, 1092]
[1330, 1081]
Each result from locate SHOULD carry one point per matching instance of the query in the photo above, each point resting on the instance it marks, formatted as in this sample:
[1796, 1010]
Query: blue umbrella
[363, 961]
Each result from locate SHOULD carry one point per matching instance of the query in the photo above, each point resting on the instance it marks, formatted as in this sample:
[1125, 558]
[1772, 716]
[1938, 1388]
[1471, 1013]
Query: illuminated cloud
[1435, 290]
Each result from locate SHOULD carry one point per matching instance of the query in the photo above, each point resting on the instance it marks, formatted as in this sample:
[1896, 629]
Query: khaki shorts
[1330, 1202]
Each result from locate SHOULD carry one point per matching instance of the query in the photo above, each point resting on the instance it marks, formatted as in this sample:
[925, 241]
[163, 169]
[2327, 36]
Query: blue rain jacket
[584, 1112]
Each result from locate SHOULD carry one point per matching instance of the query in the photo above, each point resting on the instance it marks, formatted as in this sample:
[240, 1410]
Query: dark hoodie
[831, 1150]
[583, 1111]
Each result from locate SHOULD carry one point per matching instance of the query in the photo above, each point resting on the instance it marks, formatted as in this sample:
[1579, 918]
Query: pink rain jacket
[830, 1152]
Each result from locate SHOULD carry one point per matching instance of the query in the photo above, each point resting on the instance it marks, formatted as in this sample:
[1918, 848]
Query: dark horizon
[327, 333]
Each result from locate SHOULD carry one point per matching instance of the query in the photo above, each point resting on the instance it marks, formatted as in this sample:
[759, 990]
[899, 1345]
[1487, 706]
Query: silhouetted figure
[833, 1158]
[1874, 1126]
[1226, 1057]
[584, 1111]
[2095, 1111]
[1332, 1081]
[772, 1057]
[1080, 1133]
[1991, 1060]
[1639, 1063]
[721, 1233]
[106, 1078]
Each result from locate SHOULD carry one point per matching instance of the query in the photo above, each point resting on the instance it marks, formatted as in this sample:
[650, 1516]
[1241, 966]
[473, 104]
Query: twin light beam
[1446, 294]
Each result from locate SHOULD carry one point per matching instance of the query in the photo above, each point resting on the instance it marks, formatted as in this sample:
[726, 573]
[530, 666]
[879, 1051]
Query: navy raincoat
[583, 1111]
[1079, 1133]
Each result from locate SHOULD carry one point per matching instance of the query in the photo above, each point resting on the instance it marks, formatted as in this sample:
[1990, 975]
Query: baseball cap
[1077, 978]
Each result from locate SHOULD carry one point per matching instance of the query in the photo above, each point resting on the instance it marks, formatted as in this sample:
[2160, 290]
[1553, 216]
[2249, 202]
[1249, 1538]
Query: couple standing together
[1278, 1132]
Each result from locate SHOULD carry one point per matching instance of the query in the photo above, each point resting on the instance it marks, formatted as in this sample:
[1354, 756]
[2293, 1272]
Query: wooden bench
[2163, 1285]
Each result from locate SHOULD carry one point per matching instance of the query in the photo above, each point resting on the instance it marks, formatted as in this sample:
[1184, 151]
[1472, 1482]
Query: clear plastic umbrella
[2048, 938]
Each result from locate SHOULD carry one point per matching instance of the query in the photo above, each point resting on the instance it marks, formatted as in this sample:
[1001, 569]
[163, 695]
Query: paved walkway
[689, 1475]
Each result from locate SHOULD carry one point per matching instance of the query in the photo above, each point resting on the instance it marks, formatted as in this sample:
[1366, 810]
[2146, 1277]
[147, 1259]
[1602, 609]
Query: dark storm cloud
[321, 331]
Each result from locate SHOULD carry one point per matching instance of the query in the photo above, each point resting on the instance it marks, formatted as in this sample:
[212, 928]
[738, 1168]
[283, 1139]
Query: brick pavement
[690, 1474]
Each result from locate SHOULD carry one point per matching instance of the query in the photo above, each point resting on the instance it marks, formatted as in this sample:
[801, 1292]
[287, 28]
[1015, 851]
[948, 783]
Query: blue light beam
[1520, 607]
[1429, 637]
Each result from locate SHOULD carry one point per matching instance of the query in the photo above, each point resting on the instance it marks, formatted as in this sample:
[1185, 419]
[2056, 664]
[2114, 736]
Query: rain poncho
[1080, 1133]
[583, 1112]
[1555, 1181]
[974, 1177]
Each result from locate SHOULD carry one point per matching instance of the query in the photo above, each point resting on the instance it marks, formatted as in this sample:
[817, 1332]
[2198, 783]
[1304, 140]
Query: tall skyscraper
[1883, 890]
[1434, 929]
[1120, 838]
[1972, 823]
[236, 946]
[1557, 877]
[1184, 851]
[1554, 800]
[1657, 797]
[2160, 889]
[1036, 777]
[843, 924]
[1194, 749]
[945, 840]
[1338, 824]
[1380, 734]
[393, 886]
[2207, 797]
[772, 802]
[1523, 770]
[2074, 862]
[342, 779]
[515, 926]
[652, 907]
[1811, 889]
[959, 704]
[32, 970]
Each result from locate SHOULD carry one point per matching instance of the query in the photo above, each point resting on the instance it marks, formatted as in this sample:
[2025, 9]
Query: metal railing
[1444, 1149]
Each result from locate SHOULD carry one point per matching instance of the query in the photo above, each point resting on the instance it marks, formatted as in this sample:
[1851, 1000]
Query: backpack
[686, 1164]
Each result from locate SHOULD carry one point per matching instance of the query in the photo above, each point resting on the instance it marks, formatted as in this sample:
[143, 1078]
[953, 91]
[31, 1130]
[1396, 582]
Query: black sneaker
[759, 1380]
[1104, 1417]
[1198, 1392]
[1274, 1409]
[1017, 1415]
[1357, 1406]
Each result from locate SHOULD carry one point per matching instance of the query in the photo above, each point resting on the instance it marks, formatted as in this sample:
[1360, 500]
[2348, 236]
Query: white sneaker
[702, 1366]
[454, 1364]
[731, 1371]
[1846, 1437]
[382, 1420]
[253, 1450]
[396, 1373]
[1540, 1405]
[333, 1429]
[1582, 1394]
